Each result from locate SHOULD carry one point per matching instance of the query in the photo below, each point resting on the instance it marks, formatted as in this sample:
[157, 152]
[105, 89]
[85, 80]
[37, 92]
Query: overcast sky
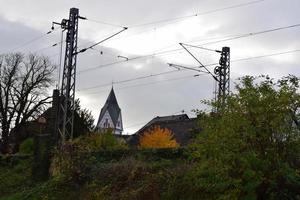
[143, 99]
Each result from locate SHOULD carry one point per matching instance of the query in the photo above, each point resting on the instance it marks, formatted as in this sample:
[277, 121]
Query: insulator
[222, 61]
[217, 70]
[64, 24]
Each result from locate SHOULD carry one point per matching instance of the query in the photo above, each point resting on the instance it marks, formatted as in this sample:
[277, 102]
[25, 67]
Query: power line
[208, 43]
[84, 49]
[181, 78]
[168, 52]
[122, 61]
[32, 40]
[48, 47]
[256, 57]
[252, 34]
[201, 65]
[267, 55]
[179, 67]
[177, 19]
[203, 48]
[105, 23]
[128, 80]
[150, 83]
[90, 47]
[104, 52]
[172, 71]
[150, 23]
[202, 39]
[197, 14]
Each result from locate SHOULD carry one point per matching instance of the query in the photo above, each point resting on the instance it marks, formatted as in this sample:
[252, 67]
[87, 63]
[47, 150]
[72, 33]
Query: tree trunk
[5, 144]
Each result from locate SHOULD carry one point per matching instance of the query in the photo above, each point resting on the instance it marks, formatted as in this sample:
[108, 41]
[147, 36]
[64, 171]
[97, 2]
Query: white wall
[103, 120]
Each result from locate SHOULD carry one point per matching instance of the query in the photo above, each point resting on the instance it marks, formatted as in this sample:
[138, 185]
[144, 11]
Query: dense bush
[97, 141]
[74, 160]
[146, 174]
[14, 174]
[250, 149]
[132, 178]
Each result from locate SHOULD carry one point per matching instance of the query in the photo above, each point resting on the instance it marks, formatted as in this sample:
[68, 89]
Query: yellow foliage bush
[157, 137]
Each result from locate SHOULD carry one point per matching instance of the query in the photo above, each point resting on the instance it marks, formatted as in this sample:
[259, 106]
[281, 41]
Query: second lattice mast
[222, 73]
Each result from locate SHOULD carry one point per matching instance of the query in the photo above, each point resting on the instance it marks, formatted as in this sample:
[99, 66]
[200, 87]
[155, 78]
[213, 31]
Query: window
[106, 124]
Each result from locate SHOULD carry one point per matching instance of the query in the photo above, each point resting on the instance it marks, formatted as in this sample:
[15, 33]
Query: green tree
[83, 120]
[250, 149]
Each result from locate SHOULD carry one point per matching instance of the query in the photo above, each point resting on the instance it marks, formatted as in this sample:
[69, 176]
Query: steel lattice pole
[224, 76]
[67, 102]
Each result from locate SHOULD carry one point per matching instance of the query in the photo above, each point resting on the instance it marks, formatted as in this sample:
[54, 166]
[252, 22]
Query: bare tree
[24, 87]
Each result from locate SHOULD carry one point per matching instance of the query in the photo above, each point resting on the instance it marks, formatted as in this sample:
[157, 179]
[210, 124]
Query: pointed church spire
[110, 115]
[111, 99]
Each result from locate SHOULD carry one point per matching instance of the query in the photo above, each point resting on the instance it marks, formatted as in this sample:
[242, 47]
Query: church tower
[110, 116]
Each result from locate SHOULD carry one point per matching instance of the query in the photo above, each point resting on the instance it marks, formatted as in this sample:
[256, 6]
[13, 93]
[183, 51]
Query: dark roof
[125, 137]
[112, 106]
[183, 128]
[170, 118]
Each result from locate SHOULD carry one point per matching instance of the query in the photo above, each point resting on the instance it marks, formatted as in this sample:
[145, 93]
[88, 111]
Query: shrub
[157, 137]
[74, 159]
[26, 147]
[98, 141]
